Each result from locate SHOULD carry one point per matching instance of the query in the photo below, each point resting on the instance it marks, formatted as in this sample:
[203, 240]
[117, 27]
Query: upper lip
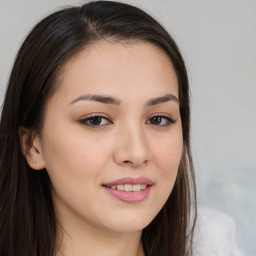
[130, 180]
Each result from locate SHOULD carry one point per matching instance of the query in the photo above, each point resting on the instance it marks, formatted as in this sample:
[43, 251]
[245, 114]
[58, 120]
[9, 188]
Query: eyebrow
[111, 100]
[163, 99]
[98, 98]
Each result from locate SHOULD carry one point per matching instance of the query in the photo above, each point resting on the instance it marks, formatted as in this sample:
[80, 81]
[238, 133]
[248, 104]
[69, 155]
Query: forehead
[112, 67]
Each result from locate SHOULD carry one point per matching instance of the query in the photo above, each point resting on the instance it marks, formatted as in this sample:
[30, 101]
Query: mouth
[129, 189]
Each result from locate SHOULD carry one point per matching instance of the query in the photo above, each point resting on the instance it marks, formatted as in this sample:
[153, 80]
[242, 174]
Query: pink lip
[130, 180]
[129, 196]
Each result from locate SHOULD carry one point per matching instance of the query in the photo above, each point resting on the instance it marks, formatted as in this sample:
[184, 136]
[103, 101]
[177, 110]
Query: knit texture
[215, 234]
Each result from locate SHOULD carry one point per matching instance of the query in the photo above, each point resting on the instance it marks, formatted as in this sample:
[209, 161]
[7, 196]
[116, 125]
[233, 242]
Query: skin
[126, 143]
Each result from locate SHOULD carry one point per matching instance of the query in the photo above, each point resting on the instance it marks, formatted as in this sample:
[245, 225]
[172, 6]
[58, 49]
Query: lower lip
[129, 196]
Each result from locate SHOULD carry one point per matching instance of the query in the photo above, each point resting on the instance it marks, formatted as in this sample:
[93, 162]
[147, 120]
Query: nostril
[134, 163]
[127, 162]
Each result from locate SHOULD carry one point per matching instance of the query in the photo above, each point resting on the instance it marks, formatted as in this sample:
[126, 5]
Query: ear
[31, 148]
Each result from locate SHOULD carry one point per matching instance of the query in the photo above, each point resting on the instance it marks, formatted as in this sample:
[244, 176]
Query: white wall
[218, 40]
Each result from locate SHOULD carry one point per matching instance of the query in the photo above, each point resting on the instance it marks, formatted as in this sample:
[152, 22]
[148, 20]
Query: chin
[130, 223]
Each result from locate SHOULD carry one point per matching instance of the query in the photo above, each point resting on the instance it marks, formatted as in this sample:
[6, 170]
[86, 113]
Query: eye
[96, 120]
[160, 120]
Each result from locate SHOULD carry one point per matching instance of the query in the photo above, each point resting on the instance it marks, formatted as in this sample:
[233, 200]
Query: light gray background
[218, 41]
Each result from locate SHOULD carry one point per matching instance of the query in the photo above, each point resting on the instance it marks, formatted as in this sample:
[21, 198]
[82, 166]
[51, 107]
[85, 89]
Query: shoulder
[215, 234]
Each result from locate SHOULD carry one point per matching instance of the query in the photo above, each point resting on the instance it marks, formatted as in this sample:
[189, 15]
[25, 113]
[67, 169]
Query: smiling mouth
[129, 193]
[128, 187]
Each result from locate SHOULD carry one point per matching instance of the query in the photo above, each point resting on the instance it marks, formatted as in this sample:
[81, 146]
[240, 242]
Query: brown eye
[156, 120]
[95, 121]
[160, 120]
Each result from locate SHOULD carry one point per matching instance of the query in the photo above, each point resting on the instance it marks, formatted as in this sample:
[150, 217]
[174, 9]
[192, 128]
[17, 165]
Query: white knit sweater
[215, 234]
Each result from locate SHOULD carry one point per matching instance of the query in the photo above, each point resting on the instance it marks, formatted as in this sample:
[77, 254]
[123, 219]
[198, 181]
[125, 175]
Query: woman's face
[112, 137]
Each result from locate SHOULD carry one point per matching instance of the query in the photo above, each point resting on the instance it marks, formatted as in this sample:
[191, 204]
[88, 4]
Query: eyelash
[98, 118]
[169, 120]
[86, 121]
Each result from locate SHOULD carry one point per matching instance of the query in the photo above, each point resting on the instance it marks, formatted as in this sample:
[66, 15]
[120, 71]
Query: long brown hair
[27, 218]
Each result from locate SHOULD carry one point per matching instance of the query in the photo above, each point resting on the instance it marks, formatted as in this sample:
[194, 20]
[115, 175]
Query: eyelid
[92, 115]
[163, 115]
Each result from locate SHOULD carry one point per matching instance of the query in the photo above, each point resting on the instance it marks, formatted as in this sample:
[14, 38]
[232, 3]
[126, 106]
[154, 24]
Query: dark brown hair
[27, 218]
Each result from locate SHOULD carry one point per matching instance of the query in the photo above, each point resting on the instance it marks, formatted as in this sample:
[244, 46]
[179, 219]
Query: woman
[95, 155]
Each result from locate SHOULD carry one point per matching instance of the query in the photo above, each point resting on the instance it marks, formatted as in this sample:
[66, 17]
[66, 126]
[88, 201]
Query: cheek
[75, 166]
[167, 158]
[74, 159]
[168, 155]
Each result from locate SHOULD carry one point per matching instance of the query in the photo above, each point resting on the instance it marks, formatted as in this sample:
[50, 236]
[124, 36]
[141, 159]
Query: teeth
[136, 187]
[120, 187]
[143, 186]
[129, 187]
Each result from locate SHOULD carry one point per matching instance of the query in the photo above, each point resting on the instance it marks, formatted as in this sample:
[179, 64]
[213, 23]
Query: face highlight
[112, 137]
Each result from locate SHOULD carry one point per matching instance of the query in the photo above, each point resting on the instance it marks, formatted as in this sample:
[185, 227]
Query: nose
[132, 147]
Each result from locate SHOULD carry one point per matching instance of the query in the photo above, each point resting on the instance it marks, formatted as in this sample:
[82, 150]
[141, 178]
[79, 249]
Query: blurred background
[218, 41]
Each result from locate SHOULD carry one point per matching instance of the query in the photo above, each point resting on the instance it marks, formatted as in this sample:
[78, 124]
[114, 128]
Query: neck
[78, 242]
